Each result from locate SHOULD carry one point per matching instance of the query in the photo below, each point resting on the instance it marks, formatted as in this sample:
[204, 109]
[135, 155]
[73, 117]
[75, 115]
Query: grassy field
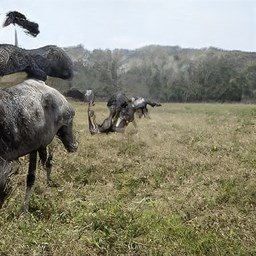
[184, 183]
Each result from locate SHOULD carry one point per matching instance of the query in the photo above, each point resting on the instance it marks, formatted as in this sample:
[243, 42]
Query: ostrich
[87, 96]
[75, 94]
[31, 114]
[20, 19]
[122, 112]
[126, 116]
[116, 103]
[140, 105]
[38, 63]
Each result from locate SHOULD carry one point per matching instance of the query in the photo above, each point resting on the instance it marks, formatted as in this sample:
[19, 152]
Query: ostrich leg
[30, 179]
[46, 159]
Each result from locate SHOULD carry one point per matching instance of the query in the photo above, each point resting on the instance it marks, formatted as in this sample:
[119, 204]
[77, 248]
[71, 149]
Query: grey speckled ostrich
[31, 114]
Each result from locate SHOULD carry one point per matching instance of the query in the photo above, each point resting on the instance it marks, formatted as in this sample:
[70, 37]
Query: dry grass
[183, 184]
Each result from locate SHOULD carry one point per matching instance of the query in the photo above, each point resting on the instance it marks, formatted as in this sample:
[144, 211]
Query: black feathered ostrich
[84, 96]
[30, 27]
[38, 63]
[121, 114]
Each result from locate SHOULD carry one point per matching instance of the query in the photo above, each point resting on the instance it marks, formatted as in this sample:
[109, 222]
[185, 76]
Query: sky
[131, 24]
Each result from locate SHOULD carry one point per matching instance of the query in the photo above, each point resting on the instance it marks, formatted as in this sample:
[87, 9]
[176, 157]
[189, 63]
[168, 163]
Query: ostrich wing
[18, 18]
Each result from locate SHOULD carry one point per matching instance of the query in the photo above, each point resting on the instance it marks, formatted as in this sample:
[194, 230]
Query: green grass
[184, 183]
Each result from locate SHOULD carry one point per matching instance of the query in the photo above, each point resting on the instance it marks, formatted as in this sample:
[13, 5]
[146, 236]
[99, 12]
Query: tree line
[166, 73]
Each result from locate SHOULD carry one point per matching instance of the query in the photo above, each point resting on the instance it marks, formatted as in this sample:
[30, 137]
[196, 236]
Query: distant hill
[165, 73]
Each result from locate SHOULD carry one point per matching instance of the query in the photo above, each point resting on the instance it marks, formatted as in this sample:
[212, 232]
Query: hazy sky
[130, 24]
